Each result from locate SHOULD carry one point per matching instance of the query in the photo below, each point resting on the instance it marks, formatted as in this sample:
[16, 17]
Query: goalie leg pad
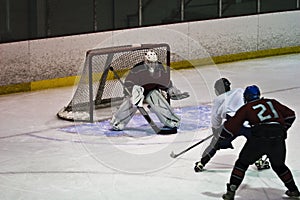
[159, 105]
[123, 115]
[137, 95]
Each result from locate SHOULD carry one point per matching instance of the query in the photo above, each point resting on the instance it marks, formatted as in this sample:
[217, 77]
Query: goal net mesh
[98, 91]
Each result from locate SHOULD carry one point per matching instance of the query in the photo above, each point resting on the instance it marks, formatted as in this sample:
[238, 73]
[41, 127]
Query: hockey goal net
[98, 92]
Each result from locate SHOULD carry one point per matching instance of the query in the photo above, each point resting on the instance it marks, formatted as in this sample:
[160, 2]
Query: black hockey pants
[267, 140]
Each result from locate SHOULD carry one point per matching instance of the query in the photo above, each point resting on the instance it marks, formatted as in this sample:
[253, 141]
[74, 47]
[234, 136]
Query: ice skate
[229, 195]
[198, 167]
[293, 194]
[262, 164]
[116, 124]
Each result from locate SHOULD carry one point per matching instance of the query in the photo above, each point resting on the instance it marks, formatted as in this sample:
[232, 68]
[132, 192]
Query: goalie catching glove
[137, 96]
[176, 94]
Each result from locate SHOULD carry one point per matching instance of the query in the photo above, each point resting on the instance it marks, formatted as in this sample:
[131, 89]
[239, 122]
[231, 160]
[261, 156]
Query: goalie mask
[151, 56]
[151, 60]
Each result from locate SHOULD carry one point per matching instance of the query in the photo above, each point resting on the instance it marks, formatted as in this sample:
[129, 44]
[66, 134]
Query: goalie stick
[174, 155]
[142, 110]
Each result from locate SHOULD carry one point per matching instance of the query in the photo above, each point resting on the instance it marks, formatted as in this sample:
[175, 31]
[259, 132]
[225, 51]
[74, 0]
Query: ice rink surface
[40, 161]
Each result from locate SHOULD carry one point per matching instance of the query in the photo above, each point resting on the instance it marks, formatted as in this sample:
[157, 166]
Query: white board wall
[34, 60]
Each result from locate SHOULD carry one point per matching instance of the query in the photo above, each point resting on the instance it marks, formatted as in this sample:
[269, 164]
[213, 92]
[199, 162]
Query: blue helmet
[251, 93]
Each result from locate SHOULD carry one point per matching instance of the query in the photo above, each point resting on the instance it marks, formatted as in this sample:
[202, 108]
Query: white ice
[39, 161]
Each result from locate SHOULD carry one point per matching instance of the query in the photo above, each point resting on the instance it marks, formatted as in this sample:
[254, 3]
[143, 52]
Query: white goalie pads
[176, 94]
[123, 115]
[159, 105]
[137, 96]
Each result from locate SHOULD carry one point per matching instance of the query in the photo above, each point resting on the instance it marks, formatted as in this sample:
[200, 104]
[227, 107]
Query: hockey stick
[144, 112]
[174, 155]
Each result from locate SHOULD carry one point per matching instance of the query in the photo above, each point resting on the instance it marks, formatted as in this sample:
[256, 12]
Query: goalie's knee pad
[159, 105]
[123, 115]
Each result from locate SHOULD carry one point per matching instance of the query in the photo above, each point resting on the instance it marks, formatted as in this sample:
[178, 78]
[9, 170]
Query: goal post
[98, 92]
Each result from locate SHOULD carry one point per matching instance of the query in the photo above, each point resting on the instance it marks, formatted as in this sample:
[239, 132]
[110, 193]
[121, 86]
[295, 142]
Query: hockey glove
[225, 134]
[137, 96]
[176, 94]
[224, 141]
[225, 144]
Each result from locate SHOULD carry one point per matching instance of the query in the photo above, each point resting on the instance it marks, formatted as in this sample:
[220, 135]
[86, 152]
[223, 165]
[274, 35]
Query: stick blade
[173, 155]
[167, 131]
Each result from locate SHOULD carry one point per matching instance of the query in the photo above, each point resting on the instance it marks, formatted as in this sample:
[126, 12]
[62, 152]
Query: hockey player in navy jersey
[269, 121]
[145, 82]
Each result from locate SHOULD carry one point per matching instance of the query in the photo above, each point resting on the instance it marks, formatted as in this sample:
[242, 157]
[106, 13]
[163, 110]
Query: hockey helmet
[221, 86]
[151, 56]
[251, 93]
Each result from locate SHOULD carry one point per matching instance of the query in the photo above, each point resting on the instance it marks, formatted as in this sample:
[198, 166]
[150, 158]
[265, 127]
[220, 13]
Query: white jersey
[226, 104]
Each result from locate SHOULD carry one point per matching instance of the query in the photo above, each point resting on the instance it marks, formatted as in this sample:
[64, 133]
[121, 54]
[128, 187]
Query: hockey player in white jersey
[227, 102]
[145, 82]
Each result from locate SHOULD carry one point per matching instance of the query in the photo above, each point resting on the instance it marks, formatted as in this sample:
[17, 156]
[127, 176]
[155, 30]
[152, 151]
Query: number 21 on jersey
[262, 113]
